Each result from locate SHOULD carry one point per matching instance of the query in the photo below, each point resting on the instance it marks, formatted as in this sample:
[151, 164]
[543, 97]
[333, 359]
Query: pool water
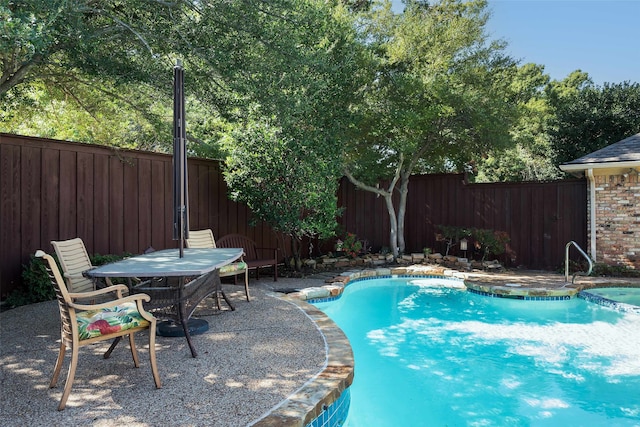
[427, 355]
[623, 295]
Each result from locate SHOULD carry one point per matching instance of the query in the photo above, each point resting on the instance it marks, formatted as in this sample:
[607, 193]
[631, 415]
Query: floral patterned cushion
[94, 323]
[229, 269]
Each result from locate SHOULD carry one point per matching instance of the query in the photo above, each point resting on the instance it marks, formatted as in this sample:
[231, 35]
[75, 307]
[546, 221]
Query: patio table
[176, 285]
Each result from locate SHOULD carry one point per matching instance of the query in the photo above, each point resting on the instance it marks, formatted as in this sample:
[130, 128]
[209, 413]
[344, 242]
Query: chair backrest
[67, 314]
[74, 259]
[201, 239]
[239, 241]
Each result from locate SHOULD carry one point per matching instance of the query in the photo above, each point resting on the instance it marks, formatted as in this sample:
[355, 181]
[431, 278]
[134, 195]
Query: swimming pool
[427, 354]
[624, 295]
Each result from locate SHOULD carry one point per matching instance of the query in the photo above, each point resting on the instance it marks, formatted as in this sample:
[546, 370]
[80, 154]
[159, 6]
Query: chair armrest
[108, 289]
[131, 298]
[275, 251]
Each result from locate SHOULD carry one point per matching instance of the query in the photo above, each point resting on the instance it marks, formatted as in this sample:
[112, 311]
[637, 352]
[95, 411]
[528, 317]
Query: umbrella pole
[180, 187]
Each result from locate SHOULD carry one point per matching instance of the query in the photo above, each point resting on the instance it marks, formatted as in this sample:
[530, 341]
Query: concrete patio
[249, 361]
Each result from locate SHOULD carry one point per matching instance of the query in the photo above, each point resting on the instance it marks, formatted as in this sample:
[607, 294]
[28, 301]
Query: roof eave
[578, 167]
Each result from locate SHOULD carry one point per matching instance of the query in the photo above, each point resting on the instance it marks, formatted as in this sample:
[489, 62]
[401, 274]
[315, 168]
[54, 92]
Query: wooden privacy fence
[116, 200]
[120, 201]
[540, 218]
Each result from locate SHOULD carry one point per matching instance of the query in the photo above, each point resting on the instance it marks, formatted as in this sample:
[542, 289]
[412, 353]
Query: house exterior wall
[618, 219]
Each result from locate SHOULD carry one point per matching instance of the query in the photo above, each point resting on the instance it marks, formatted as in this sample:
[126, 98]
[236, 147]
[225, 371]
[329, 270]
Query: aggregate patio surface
[250, 361]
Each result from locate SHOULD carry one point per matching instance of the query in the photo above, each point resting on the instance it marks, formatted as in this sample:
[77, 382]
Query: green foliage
[530, 156]
[437, 99]
[451, 235]
[439, 95]
[82, 70]
[38, 287]
[351, 245]
[560, 121]
[489, 242]
[97, 259]
[89, 116]
[56, 40]
[289, 184]
[601, 269]
[296, 78]
[591, 117]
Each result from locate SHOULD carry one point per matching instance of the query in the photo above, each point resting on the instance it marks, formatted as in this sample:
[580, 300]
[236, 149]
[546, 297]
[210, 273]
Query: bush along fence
[480, 247]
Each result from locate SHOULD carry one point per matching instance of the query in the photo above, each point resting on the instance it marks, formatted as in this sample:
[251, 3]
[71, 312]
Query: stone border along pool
[315, 403]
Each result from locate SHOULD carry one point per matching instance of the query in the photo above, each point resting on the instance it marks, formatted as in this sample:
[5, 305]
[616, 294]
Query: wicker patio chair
[82, 324]
[204, 239]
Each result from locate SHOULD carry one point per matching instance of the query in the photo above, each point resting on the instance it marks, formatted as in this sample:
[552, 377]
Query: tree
[438, 97]
[592, 117]
[529, 156]
[283, 71]
[54, 39]
[88, 70]
[79, 110]
[286, 183]
[297, 72]
[237, 54]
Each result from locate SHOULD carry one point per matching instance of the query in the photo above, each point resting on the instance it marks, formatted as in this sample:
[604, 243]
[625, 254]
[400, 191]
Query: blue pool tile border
[335, 414]
[319, 300]
[606, 302]
[521, 297]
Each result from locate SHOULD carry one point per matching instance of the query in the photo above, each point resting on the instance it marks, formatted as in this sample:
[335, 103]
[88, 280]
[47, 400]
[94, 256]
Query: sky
[599, 37]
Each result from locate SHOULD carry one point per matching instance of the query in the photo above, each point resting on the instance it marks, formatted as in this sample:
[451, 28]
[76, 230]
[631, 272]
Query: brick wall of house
[618, 220]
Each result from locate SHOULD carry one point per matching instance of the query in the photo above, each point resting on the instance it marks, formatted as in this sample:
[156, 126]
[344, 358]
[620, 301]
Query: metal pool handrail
[566, 262]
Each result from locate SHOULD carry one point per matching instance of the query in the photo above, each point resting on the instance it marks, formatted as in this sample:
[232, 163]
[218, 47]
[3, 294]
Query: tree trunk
[402, 210]
[388, 199]
[393, 223]
[296, 244]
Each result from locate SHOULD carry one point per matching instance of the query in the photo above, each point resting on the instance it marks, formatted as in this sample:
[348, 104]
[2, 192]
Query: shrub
[451, 235]
[37, 285]
[351, 245]
[601, 269]
[490, 242]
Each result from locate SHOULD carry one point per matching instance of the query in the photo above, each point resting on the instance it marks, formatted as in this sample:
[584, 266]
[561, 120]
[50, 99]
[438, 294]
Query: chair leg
[152, 356]
[70, 377]
[134, 350]
[246, 283]
[58, 367]
[115, 342]
[218, 305]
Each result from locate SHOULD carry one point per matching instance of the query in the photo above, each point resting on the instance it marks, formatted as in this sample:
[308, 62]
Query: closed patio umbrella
[180, 193]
